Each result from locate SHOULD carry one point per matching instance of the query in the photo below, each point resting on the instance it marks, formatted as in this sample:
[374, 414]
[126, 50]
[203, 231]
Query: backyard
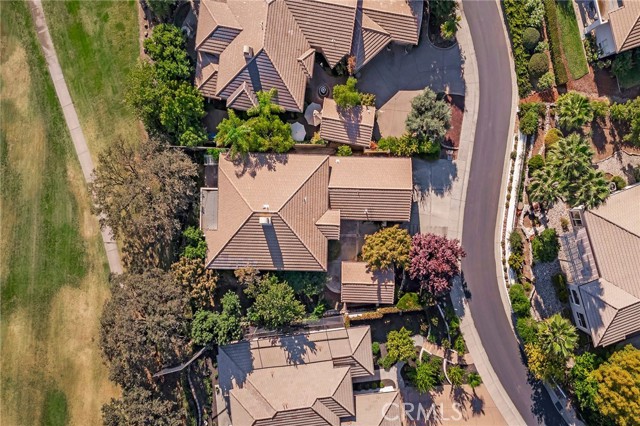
[97, 45]
[54, 273]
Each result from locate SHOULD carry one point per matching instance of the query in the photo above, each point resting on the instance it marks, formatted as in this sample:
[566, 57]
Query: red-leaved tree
[434, 261]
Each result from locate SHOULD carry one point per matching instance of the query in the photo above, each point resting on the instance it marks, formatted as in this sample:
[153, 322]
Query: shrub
[530, 38]
[560, 285]
[552, 137]
[317, 140]
[622, 64]
[619, 181]
[529, 116]
[409, 302]
[527, 329]
[538, 64]
[546, 81]
[542, 47]
[195, 246]
[519, 301]
[431, 150]
[515, 241]
[545, 246]
[344, 151]
[536, 163]
[564, 223]
[516, 262]
[386, 362]
[403, 146]
[368, 99]
[346, 95]
[375, 348]
[553, 32]
[459, 345]
[430, 116]
[518, 21]
[600, 109]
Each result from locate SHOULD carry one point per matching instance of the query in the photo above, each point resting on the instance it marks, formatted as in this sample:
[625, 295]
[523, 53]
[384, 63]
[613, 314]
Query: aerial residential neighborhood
[320, 212]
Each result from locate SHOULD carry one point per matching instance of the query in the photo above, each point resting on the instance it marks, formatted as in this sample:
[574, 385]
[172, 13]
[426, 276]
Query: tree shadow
[297, 347]
[252, 163]
[433, 177]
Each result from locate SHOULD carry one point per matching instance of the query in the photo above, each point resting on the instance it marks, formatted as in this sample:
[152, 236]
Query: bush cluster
[527, 329]
[545, 246]
[552, 137]
[409, 301]
[538, 64]
[535, 163]
[553, 33]
[560, 286]
[529, 117]
[530, 38]
[546, 81]
[518, 22]
[519, 301]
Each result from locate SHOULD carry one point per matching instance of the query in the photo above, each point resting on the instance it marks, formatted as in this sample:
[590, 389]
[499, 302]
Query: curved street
[482, 210]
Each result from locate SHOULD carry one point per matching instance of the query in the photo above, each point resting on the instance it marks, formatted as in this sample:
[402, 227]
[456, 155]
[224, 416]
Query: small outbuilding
[360, 285]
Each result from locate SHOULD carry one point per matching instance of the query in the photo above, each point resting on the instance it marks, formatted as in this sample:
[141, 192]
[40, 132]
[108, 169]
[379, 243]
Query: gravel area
[555, 214]
[545, 302]
[620, 164]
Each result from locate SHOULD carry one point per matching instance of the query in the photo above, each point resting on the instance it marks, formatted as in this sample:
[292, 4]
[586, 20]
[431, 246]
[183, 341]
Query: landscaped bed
[452, 137]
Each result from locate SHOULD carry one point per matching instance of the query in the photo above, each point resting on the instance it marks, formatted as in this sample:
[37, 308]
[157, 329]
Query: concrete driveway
[396, 77]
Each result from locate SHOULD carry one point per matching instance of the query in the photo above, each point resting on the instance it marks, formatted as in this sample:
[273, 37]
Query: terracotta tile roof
[362, 286]
[625, 25]
[353, 126]
[286, 378]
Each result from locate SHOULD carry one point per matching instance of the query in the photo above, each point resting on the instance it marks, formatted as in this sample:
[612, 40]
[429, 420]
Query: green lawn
[53, 271]
[571, 40]
[97, 45]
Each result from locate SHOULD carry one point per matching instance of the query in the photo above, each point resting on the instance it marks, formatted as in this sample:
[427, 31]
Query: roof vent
[265, 220]
[265, 207]
[337, 161]
[248, 51]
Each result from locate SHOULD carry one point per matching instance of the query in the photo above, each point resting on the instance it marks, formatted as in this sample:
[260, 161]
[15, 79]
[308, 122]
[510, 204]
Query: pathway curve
[73, 124]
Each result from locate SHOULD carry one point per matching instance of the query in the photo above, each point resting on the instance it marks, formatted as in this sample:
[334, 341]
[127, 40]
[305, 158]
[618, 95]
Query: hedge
[519, 301]
[517, 21]
[553, 33]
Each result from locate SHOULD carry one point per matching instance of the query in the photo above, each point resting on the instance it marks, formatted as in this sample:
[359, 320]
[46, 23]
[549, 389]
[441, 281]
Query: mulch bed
[452, 138]
[436, 39]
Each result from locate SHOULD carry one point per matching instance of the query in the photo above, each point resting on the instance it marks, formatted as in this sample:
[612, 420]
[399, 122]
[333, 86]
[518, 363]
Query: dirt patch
[585, 84]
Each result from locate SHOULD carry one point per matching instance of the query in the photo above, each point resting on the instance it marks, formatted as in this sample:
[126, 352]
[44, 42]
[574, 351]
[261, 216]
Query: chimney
[248, 51]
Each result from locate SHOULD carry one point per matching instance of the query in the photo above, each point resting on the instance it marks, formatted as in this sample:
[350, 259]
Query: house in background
[304, 378]
[244, 46]
[615, 24]
[604, 280]
[278, 212]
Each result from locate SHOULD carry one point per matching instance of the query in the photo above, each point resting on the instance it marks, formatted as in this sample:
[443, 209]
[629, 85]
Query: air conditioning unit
[265, 220]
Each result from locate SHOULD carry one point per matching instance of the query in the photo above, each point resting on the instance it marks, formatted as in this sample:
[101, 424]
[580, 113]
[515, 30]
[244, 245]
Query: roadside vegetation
[54, 274]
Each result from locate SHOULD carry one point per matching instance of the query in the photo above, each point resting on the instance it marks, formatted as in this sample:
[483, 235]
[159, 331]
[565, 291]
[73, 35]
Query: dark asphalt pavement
[481, 213]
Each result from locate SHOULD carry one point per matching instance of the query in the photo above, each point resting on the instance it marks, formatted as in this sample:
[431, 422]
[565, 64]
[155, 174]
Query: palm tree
[557, 337]
[543, 188]
[235, 133]
[570, 158]
[474, 380]
[591, 191]
[574, 110]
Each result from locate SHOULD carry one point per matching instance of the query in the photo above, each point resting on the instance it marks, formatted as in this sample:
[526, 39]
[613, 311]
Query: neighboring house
[304, 378]
[246, 46]
[614, 23]
[352, 126]
[278, 212]
[361, 286]
[604, 278]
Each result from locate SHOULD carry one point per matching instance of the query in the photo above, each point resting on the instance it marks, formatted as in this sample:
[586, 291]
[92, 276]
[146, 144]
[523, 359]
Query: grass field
[571, 40]
[53, 271]
[97, 45]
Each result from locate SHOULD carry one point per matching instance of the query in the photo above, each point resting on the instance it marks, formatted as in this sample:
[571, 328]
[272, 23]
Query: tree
[545, 246]
[456, 376]
[144, 94]
[143, 192]
[557, 337]
[584, 384]
[181, 112]
[574, 110]
[307, 285]
[203, 327]
[434, 261]
[429, 118]
[195, 245]
[618, 379]
[389, 247]
[449, 28]
[234, 132]
[220, 328]
[346, 95]
[622, 64]
[592, 192]
[542, 367]
[427, 375]
[167, 49]
[198, 281]
[474, 380]
[161, 8]
[144, 327]
[249, 278]
[400, 345]
[275, 304]
[268, 131]
[441, 11]
[141, 407]
[628, 114]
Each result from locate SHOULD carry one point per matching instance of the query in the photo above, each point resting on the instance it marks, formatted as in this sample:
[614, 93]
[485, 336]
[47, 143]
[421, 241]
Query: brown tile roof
[286, 378]
[377, 409]
[625, 25]
[362, 286]
[329, 224]
[352, 126]
[279, 187]
[282, 33]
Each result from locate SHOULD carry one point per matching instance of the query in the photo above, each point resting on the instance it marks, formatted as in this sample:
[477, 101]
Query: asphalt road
[481, 214]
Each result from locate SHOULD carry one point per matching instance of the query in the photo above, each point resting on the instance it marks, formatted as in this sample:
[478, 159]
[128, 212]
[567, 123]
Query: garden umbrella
[312, 114]
[298, 132]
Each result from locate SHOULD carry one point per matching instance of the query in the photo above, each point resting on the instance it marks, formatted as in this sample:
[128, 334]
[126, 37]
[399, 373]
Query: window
[582, 322]
[576, 218]
[576, 298]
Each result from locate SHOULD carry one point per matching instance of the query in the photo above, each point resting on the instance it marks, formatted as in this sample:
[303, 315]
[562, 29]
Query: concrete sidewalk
[73, 124]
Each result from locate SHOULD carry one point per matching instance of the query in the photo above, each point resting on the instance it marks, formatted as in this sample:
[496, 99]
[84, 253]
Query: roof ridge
[264, 50]
[593, 212]
[234, 76]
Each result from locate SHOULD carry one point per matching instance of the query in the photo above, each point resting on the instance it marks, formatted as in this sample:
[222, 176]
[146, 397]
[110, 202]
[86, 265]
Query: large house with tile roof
[304, 379]
[604, 280]
[616, 25]
[244, 46]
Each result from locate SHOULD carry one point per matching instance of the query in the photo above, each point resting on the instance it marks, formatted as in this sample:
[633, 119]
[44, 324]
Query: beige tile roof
[352, 126]
[281, 34]
[625, 25]
[206, 74]
[286, 378]
[361, 285]
[370, 409]
[329, 224]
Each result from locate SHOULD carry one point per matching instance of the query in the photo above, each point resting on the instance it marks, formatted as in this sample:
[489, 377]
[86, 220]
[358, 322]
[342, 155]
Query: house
[244, 46]
[604, 280]
[304, 378]
[353, 126]
[615, 24]
[278, 212]
[360, 285]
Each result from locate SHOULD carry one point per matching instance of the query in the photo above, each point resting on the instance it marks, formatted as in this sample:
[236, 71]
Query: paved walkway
[73, 124]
